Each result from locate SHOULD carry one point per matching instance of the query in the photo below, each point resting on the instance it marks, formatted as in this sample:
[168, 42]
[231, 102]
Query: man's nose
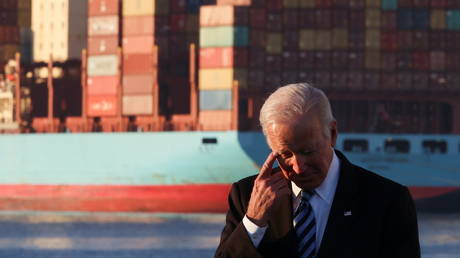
[298, 163]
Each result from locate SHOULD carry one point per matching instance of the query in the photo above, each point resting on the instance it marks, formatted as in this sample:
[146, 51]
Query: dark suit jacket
[383, 221]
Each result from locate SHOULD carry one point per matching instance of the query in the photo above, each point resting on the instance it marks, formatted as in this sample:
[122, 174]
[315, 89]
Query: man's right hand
[267, 190]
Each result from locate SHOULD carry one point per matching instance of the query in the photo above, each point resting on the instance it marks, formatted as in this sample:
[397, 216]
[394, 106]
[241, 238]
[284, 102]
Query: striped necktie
[305, 226]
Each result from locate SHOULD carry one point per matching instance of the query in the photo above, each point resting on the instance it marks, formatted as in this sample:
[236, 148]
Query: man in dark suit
[316, 203]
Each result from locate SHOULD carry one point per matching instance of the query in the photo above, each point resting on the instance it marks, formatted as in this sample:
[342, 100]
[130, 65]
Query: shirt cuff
[255, 232]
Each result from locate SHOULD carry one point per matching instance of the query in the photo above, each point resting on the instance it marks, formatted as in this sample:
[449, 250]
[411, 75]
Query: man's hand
[268, 188]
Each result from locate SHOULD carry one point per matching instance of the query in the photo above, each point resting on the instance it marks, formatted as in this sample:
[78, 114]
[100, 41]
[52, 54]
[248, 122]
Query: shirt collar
[327, 189]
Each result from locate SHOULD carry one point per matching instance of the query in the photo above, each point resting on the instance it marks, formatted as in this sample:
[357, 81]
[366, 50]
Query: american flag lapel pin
[347, 213]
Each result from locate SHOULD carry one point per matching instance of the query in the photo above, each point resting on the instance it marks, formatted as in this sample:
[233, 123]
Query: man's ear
[333, 133]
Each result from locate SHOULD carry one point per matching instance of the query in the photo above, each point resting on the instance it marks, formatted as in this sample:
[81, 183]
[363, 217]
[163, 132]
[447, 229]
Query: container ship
[159, 112]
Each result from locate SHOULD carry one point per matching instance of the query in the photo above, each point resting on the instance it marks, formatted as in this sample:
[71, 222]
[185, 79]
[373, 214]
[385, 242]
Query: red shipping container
[389, 41]
[9, 34]
[437, 39]
[340, 59]
[178, 6]
[341, 3]
[406, 3]
[388, 20]
[421, 40]
[257, 57]
[437, 60]
[357, 4]
[102, 85]
[138, 84]
[323, 59]
[438, 3]
[290, 60]
[257, 38]
[307, 20]
[257, 18]
[103, 7]
[306, 60]
[388, 61]
[290, 18]
[138, 44]
[356, 59]
[405, 39]
[273, 63]
[323, 18]
[274, 22]
[323, 3]
[223, 57]
[421, 61]
[274, 5]
[103, 45]
[138, 63]
[340, 18]
[102, 105]
[421, 3]
[291, 39]
[178, 22]
[357, 19]
[138, 25]
[453, 4]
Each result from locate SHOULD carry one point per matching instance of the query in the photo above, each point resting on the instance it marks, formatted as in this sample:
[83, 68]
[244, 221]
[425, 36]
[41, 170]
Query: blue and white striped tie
[305, 227]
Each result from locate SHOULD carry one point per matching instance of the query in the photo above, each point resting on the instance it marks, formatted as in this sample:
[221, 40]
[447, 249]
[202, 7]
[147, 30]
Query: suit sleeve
[235, 241]
[401, 229]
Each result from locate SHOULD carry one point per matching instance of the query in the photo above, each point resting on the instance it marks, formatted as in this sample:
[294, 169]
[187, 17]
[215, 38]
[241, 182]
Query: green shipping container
[215, 99]
[389, 4]
[453, 20]
[223, 36]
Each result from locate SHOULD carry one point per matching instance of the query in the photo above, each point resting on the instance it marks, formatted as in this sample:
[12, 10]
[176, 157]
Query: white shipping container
[106, 65]
[103, 25]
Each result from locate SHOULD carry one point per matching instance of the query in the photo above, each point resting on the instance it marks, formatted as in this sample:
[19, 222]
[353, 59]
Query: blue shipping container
[215, 99]
[389, 4]
[421, 19]
[405, 19]
[193, 6]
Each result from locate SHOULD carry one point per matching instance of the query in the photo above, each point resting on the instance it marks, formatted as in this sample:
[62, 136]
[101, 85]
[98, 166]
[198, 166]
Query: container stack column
[9, 31]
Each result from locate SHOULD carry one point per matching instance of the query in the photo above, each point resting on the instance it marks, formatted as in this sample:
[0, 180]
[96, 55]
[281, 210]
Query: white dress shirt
[320, 202]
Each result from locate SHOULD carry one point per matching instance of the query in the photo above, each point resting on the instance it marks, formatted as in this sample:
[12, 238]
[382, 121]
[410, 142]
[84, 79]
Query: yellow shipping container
[372, 59]
[340, 38]
[373, 3]
[307, 39]
[373, 39]
[222, 79]
[438, 19]
[292, 3]
[274, 43]
[373, 18]
[8, 51]
[307, 3]
[24, 18]
[323, 39]
[145, 7]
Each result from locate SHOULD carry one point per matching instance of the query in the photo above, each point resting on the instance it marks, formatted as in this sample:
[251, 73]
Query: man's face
[305, 152]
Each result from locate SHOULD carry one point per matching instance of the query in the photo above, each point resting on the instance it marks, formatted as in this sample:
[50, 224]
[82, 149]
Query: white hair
[290, 102]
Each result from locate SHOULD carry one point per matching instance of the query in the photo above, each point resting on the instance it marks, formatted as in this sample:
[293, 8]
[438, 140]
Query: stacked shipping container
[103, 73]
[24, 23]
[9, 30]
[223, 61]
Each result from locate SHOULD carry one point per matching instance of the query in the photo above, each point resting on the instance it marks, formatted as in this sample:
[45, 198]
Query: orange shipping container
[138, 63]
[102, 85]
[223, 15]
[234, 2]
[102, 105]
[103, 7]
[103, 25]
[138, 25]
[223, 57]
[438, 19]
[137, 105]
[138, 84]
[103, 45]
[138, 45]
[323, 39]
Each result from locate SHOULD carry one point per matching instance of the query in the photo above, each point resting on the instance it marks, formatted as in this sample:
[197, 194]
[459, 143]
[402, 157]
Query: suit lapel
[338, 222]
